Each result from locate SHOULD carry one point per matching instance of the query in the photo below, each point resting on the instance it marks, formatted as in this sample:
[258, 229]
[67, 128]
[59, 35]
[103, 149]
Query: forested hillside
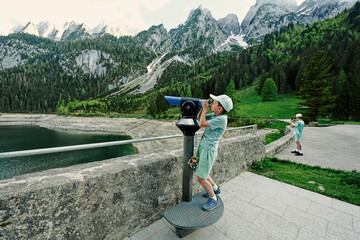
[282, 56]
[52, 78]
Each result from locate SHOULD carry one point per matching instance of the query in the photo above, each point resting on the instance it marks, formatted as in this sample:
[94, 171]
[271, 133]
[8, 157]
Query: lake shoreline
[136, 128]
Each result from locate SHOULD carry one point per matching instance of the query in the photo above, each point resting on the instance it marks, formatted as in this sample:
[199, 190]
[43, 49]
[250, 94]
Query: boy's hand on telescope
[205, 105]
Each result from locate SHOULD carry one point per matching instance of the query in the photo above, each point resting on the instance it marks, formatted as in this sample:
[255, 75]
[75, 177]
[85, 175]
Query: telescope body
[179, 100]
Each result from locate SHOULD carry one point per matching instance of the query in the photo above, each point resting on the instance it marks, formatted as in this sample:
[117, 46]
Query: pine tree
[231, 91]
[269, 90]
[317, 88]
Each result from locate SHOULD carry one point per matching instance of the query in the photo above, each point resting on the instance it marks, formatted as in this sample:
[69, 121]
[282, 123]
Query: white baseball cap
[299, 115]
[225, 101]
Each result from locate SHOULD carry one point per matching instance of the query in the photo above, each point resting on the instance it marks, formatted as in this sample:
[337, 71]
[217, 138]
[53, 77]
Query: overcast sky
[138, 14]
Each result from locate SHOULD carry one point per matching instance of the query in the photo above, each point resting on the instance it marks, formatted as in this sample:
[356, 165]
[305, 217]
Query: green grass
[329, 122]
[248, 103]
[342, 185]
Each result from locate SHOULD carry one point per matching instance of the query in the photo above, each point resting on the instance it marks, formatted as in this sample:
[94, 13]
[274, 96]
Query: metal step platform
[188, 216]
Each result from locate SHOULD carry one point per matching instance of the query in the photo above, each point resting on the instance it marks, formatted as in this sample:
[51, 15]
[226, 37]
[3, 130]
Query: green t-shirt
[212, 135]
[299, 127]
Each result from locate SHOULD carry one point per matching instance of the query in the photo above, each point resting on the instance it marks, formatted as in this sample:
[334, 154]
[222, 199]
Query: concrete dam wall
[110, 199]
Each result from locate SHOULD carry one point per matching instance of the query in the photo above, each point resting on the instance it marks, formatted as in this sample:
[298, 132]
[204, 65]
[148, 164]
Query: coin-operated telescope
[188, 215]
[188, 124]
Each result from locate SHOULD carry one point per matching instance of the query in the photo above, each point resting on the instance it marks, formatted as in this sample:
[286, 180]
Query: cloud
[152, 5]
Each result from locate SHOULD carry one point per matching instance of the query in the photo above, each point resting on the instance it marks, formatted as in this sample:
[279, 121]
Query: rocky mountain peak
[156, 38]
[200, 25]
[230, 23]
[199, 14]
[269, 15]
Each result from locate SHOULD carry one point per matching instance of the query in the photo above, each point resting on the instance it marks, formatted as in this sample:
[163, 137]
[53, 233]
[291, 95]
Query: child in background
[298, 131]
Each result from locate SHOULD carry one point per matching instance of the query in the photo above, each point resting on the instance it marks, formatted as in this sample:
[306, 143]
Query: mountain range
[71, 30]
[263, 17]
[269, 15]
[101, 56]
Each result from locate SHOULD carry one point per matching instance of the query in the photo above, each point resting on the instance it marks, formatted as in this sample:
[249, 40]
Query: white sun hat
[225, 101]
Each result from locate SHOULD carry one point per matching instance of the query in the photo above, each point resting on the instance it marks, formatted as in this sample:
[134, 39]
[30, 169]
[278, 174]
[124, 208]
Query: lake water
[17, 138]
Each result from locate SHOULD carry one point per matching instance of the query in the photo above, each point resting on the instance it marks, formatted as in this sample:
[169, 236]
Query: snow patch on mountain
[151, 66]
[146, 82]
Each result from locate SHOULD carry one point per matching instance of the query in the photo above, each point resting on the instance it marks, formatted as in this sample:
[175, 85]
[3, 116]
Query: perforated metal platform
[190, 215]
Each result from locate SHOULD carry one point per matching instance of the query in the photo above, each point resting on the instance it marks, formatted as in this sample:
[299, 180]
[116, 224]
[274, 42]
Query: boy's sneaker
[294, 151]
[298, 154]
[211, 204]
[216, 192]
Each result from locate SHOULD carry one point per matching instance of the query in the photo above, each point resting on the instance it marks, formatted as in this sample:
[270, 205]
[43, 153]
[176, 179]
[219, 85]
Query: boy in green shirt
[298, 131]
[215, 125]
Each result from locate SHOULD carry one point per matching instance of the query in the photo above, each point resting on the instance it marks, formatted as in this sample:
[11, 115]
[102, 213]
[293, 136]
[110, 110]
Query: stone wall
[278, 145]
[110, 199]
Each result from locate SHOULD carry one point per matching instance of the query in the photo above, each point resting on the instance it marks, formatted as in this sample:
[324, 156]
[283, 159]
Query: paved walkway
[335, 147]
[258, 208]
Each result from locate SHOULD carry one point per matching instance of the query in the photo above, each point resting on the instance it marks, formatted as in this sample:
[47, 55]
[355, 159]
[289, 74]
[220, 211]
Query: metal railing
[103, 144]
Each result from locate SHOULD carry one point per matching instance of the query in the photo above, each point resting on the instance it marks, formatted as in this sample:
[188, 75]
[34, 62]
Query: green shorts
[207, 159]
[297, 138]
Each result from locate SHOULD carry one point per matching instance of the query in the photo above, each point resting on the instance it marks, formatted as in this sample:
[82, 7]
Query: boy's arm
[292, 123]
[199, 114]
[203, 123]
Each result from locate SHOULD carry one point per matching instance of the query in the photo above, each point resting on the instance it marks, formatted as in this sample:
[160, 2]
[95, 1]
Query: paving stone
[239, 229]
[227, 196]
[151, 230]
[246, 182]
[227, 217]
[316, 197]
[331, 215]
[246, 174]
[261, 188]
[273, 238]
[346, 207]
[285, 197]
[237, 190]
[206, 233]
[270, 204]
[260, 179]
[308, 235]
[243, 208]
[277, 226]
[356, 224]
[164, 234]
[306, 221]
[172, 228]
[280, 186]
[302, 204]
[337, 232]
